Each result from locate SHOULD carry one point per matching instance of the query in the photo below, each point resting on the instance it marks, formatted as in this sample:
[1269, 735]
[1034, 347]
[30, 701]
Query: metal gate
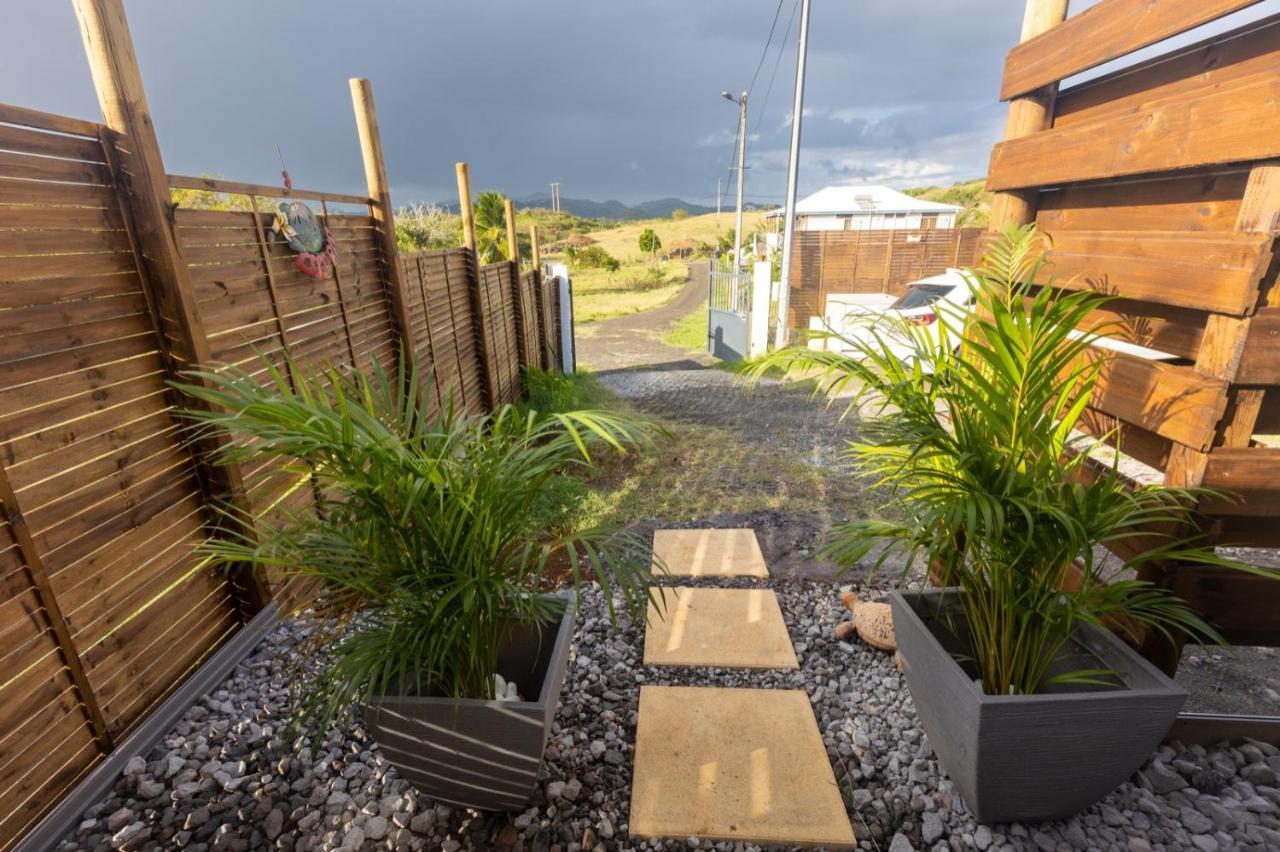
[728, 307]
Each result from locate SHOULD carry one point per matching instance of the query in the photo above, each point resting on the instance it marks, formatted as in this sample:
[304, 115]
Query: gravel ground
[222, 778]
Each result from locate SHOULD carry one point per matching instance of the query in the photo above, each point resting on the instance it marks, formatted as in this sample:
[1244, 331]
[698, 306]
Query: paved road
[632, 341]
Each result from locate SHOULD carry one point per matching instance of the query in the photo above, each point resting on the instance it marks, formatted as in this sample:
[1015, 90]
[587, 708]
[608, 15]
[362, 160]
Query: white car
[947, 293]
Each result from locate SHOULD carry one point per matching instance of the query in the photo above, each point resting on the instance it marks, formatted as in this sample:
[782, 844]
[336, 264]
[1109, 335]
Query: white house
[865, 208]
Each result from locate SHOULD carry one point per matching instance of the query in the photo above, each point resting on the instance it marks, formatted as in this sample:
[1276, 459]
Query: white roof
[864, 200]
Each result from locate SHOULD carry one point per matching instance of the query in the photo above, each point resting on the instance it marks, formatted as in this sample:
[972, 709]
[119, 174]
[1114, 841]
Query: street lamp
[742, 171]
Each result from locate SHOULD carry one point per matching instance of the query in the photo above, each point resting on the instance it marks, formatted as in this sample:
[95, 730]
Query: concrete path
[632, 341]
[728, 764]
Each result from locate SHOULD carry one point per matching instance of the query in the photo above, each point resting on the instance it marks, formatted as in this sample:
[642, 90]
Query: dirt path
[632, 341]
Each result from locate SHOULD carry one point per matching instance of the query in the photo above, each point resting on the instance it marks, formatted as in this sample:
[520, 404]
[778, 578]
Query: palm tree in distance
[491, 227]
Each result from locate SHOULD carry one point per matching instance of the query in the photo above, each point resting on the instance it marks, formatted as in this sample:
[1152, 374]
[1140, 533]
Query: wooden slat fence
[1160, 183]
[105, 607]
[827, 262]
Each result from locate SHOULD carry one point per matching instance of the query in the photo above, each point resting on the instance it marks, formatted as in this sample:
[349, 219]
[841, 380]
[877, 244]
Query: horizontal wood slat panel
[1260, 363]
[1109, 30]
[1218, 61]
[1211, 272]
[1249, 474]
[1194, 202]
[1174, 402]
[1206, 127]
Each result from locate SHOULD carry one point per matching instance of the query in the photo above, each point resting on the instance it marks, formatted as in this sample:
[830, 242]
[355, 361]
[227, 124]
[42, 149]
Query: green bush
[593, 257]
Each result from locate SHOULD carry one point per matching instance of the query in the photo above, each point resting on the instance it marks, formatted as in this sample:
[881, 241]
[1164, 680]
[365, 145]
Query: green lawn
[688, 332]
[599, 294]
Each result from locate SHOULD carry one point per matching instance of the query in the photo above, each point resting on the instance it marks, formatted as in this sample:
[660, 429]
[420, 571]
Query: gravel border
[223, 779]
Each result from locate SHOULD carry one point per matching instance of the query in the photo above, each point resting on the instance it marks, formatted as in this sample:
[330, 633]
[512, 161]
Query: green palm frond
[978, 445]
[423, 545]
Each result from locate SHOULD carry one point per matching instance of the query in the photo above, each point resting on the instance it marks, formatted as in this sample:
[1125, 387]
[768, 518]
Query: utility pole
[793, 174]
[717, 206]
[555, 197]
[742, 177]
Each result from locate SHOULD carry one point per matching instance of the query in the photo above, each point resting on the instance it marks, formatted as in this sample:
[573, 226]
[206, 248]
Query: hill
[612, 211]
[969, 194]
[622, 241]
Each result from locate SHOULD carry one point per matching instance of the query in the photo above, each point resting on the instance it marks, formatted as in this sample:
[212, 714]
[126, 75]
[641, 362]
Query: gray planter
[475, 753]
[1028, 758]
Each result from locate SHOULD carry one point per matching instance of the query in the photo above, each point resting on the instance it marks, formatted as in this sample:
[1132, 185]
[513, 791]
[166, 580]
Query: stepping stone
[739, 765]
[735, 628]
[710, 553]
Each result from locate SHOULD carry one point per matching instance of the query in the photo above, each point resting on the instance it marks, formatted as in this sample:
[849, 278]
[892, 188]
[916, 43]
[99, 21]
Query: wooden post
[146, 190]
[1028, 114]
[520, 309]
[513, 243]
[535, 248]
[375, 175]
[465, 208]
[474, 284]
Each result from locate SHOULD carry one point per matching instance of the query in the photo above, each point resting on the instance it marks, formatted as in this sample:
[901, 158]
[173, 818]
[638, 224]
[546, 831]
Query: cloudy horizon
[613, 101]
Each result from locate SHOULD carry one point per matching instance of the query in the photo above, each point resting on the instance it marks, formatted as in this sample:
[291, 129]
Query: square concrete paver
[710, 553]
[737, 628]
[734, 764]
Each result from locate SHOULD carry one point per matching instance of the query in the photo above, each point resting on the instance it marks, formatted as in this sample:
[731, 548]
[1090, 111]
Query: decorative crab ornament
[297, 225]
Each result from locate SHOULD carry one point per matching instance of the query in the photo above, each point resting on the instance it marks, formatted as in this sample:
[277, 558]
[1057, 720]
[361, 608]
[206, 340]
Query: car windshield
[920, 295]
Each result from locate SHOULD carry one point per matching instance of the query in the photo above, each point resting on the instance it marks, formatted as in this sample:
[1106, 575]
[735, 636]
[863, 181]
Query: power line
[782, 49]
[764, 53]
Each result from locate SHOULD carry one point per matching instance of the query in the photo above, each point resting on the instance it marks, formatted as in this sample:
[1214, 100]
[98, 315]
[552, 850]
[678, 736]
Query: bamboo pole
[1028, 114]
[180, 328]
[375, 173]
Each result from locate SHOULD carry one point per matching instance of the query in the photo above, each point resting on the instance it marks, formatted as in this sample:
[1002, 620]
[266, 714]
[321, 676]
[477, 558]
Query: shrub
[593, 257]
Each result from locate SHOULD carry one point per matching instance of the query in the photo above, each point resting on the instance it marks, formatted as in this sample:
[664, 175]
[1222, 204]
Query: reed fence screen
[105, 606]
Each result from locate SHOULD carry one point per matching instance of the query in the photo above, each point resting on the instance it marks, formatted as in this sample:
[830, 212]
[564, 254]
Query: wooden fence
[1159, 183]
[105, 605]
[826, 262]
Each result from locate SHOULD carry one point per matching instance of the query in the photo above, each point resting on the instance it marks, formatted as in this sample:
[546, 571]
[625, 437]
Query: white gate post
[758, 316]
[568, 355]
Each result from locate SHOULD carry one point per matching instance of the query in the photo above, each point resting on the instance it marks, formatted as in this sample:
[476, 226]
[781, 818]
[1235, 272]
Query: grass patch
[599, 294]
[688, 332]
[692, 471]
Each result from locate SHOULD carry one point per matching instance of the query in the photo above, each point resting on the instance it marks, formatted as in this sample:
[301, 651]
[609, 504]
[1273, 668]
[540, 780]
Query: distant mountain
[658, 209]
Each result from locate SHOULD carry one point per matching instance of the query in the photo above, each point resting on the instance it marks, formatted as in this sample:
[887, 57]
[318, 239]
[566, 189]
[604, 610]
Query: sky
[615, 99]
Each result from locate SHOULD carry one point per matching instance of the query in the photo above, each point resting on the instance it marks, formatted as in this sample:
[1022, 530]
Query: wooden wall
[104, 606]
[1159, 183]
[827, 262]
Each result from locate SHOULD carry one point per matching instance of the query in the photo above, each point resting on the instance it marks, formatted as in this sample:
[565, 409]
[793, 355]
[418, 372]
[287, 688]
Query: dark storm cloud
[612, 98]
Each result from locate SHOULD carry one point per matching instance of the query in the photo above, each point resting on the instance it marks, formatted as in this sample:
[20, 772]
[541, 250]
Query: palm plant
[491, 227]
[977, 443]
[424, 548]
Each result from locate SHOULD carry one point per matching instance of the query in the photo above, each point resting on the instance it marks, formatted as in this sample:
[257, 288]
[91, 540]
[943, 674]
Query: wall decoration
[297, 225]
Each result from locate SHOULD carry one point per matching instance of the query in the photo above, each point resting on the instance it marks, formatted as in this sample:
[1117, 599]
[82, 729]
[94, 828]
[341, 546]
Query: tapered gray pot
[1028, 758]
[475, 753]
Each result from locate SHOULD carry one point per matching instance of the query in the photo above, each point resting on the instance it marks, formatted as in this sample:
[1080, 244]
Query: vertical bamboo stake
[375, 173]
[1028, 114]
[118, 82]
[474, 285]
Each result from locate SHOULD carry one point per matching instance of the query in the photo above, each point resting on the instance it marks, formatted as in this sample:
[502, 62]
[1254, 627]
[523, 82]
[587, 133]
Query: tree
[491, 227]
[678, 214]
[650, 242]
